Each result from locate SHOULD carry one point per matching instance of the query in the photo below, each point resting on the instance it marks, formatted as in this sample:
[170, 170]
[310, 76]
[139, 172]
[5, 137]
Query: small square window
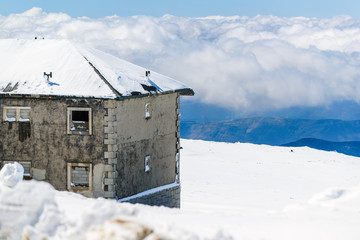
[79, 121]
[79, 176]
[147, 163]
[147, 110]
[16, 114]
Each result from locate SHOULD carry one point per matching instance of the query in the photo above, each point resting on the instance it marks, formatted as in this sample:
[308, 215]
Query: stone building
[88, 122]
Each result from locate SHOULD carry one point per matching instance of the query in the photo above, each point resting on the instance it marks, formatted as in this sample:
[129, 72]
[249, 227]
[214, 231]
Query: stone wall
[45, 142]
[168, 196]
[123, 134]
[110, 141]
[139, 137]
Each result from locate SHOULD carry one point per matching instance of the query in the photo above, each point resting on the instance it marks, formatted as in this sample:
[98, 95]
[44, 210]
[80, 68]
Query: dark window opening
[80, 121]
[80, 116]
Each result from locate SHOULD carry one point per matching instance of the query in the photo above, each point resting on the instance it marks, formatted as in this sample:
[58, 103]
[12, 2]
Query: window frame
[147, 110]
[147, 163]
[69, 177]
[69, 120]
[17, 113]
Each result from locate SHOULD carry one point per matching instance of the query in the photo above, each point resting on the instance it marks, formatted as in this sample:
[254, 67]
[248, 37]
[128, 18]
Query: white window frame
[69, 177]
[147, 110]
[17, 117]
[147, 163]
[69, 114]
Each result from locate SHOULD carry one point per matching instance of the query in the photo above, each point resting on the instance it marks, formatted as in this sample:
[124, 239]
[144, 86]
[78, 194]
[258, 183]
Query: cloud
[249, 64]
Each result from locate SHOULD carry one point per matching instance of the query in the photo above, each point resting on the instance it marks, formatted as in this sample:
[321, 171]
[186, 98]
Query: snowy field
[229, 191]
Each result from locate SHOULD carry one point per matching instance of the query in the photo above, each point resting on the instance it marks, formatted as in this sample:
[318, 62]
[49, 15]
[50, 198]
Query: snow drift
[229, 191]
[11, 174]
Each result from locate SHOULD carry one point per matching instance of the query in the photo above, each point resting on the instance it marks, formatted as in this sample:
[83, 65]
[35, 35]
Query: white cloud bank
[250, 64]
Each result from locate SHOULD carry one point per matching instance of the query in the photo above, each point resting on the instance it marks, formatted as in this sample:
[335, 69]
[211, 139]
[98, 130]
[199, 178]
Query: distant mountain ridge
[272, 131]
[350, 148]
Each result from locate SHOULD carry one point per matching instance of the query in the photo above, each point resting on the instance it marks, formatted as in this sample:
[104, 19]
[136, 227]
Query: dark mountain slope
[272, 131]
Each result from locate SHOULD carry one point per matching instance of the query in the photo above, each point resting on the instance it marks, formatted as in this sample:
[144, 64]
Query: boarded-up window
[79, 121]
[16, 114]
[79, 176]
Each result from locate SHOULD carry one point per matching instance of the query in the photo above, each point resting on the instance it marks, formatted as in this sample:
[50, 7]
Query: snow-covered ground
[229, 191]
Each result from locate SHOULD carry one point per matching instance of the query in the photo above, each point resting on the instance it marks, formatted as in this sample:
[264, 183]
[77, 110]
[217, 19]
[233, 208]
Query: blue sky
[188, 8]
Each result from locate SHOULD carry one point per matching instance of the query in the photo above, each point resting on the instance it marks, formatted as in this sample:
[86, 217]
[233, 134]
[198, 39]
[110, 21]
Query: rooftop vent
[147, 74]
[47, 75]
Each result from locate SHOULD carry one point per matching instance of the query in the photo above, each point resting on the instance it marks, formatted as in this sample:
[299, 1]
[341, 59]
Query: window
[27, 170]
[177, 167]
[16, 114]
[79, 176]
[177, 163]
[147, 163]
[79, 121]
[147, 110]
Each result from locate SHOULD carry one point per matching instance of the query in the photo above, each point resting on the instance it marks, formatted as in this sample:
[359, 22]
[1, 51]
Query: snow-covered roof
[76, 70]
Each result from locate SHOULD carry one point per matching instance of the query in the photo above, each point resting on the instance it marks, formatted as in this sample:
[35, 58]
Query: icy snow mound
[35, 210]
[27, 207]
[11, 174]
[260, 192]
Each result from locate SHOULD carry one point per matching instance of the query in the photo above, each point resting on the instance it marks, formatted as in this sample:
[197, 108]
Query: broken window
[79, 121]
[79, 176]
[147, 110]
[16, 114]
[147, 163]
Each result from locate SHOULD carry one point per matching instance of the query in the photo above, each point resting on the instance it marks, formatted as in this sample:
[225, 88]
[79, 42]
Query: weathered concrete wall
[122, 136]
[45, 141]
[168, 196]
[138, 137]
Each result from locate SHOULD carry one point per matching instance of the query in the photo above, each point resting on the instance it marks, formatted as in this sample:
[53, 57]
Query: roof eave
[186, 92]
[44, 96]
